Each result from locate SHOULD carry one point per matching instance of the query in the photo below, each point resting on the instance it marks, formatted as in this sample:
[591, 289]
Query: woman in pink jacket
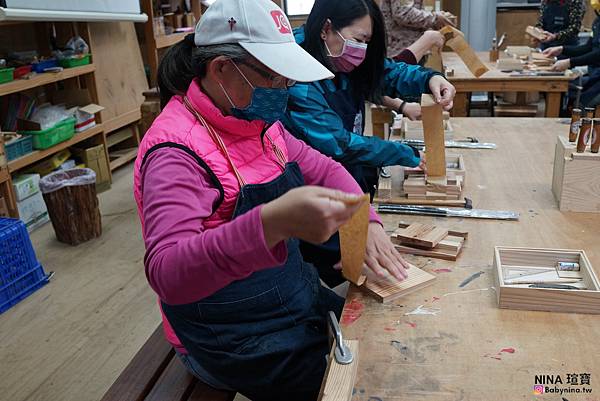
[225, 193]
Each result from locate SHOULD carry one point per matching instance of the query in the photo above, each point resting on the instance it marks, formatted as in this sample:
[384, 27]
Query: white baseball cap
[260, 27]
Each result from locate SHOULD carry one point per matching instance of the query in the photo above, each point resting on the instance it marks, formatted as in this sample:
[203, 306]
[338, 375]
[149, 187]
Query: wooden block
[520, 296]
[456, 41]
[576, 178]
[436, 252]
[519, 51]
[535, 33]
[423, 235]
[388, 289]
[454, 233]
[338, 381]
[384, 188]
[433, 132]
[434, 59]
[353, 243]
[510, 64]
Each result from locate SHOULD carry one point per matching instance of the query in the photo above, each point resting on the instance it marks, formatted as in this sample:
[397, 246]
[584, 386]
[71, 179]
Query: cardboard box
[26, 185]
[80, 103]
[50, 164]
[32, 209]
[95, 158]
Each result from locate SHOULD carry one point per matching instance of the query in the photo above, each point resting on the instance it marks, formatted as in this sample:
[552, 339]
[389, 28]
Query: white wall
[478, 22]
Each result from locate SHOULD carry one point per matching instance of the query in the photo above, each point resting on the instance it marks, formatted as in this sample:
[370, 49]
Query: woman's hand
[553, 51]
[310, 213]
[412, 111]
[443, 91]
[423, 162]
[549, 37]
[562, 65]
[382, 255]
[432, 38]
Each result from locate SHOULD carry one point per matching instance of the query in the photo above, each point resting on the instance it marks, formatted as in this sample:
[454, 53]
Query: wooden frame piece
[353, 243]
[520, 296]
[455, 39]
[448, 248]
[338, 381]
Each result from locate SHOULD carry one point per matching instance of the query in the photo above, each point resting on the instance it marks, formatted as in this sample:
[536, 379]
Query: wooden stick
[433, 132]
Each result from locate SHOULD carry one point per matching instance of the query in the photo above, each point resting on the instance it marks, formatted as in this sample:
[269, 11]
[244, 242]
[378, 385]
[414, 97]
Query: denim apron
[556, 18]
[264, 336]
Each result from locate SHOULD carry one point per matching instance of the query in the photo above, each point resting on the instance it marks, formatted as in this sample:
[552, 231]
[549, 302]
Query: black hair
[367, 78]
[184, 61]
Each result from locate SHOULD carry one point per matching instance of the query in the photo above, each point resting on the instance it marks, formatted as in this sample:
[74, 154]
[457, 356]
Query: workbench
[497, 81]
[468, 348]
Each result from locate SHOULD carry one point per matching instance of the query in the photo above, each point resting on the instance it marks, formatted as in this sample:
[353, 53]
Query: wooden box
[576, 178]
[521, 296]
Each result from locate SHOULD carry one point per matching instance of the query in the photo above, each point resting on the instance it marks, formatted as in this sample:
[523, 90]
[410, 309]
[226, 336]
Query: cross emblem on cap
[232, 22]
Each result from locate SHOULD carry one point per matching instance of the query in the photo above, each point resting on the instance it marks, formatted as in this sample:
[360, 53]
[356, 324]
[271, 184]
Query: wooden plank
[433, 133]
[437, 252]
[204, 392]
[353, 243]
[123, 157]
[119, 136]
[387, 289]
[434, 59]
[456, 41]
[454, 233]
[423, 235]
[119, 75]
[339, 379]
[535, 32]
[138, 378]
[175, 383]
[163, 41]
[46, 78]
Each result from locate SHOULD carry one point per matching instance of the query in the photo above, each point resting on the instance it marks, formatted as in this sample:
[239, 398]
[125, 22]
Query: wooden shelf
[169, 40]
[123, 156]
[45, 78]
[36, 155]
[118, 137]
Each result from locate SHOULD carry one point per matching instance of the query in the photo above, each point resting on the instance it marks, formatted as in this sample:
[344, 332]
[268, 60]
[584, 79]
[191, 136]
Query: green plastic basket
[75, 61]
[63, 131]
[6, 75]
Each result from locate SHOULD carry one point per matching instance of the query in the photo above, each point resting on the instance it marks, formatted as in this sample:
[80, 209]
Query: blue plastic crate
[20, 272]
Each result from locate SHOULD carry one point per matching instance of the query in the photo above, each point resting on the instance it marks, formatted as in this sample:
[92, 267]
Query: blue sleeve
[406, 80]
[310, 119]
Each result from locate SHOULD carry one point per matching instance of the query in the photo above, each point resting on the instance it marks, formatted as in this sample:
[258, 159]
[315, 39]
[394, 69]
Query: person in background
[348, 37]
[406, 21]
[224, 195]
[561, 22]
[413, 54]
[588, 55]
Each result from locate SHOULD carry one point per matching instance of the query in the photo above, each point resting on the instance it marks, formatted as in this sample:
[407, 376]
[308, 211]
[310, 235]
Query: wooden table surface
[497, 81]
[469, 349]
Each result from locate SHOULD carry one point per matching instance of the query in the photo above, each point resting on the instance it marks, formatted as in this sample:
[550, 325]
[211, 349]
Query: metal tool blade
[418, 143]
[448, 212]
[342, 353]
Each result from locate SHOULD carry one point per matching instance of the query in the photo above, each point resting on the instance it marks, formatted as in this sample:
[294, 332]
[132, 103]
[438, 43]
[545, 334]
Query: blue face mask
[267, 104]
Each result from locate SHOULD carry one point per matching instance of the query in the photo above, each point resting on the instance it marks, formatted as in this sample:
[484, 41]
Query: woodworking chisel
[555, 286]
[420, 144]
[448, 212]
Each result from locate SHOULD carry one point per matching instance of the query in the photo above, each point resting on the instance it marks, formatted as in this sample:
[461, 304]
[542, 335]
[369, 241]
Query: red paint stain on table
[411, 324]
[507, 350]
[352, 312]
[435, 299]
[442, 270]
[389, 329]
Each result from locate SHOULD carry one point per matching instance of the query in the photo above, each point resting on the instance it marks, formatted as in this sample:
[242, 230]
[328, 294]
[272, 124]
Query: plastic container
[40, 66]
[18, 148]
[22, 71]
[62, 131]
[20, 272]
[71, 62]
[6, 75]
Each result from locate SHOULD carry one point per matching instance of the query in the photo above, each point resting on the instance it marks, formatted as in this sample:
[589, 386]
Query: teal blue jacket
[310, 118]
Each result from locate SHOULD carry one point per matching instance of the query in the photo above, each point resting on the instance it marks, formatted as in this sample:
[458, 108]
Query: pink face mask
[353, 54]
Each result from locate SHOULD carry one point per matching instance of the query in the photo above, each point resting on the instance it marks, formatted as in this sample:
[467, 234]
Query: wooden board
[512, 296]
[576, 178]
[456, 41]
[434, 59]
[421, 235]
[388, 289]
[535, 32]
[448, 248]
[120, 77]
[338, 382]
[433, 133]
[353, 243]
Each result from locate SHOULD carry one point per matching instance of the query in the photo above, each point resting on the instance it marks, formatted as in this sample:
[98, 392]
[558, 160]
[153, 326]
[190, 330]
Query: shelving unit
[46, 78]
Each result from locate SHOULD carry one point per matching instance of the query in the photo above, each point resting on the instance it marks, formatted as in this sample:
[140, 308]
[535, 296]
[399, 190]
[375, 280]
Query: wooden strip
[454, 233]
[353, 243]
[204, 392]
[175, 384]
[339, 379]
[432, 253]
[433, 133]
[424, 235]
[138, 378]
[456, 41]
[388, 289]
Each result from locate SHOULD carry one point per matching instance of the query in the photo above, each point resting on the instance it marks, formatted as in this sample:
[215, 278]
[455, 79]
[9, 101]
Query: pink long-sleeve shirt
[184, 263]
